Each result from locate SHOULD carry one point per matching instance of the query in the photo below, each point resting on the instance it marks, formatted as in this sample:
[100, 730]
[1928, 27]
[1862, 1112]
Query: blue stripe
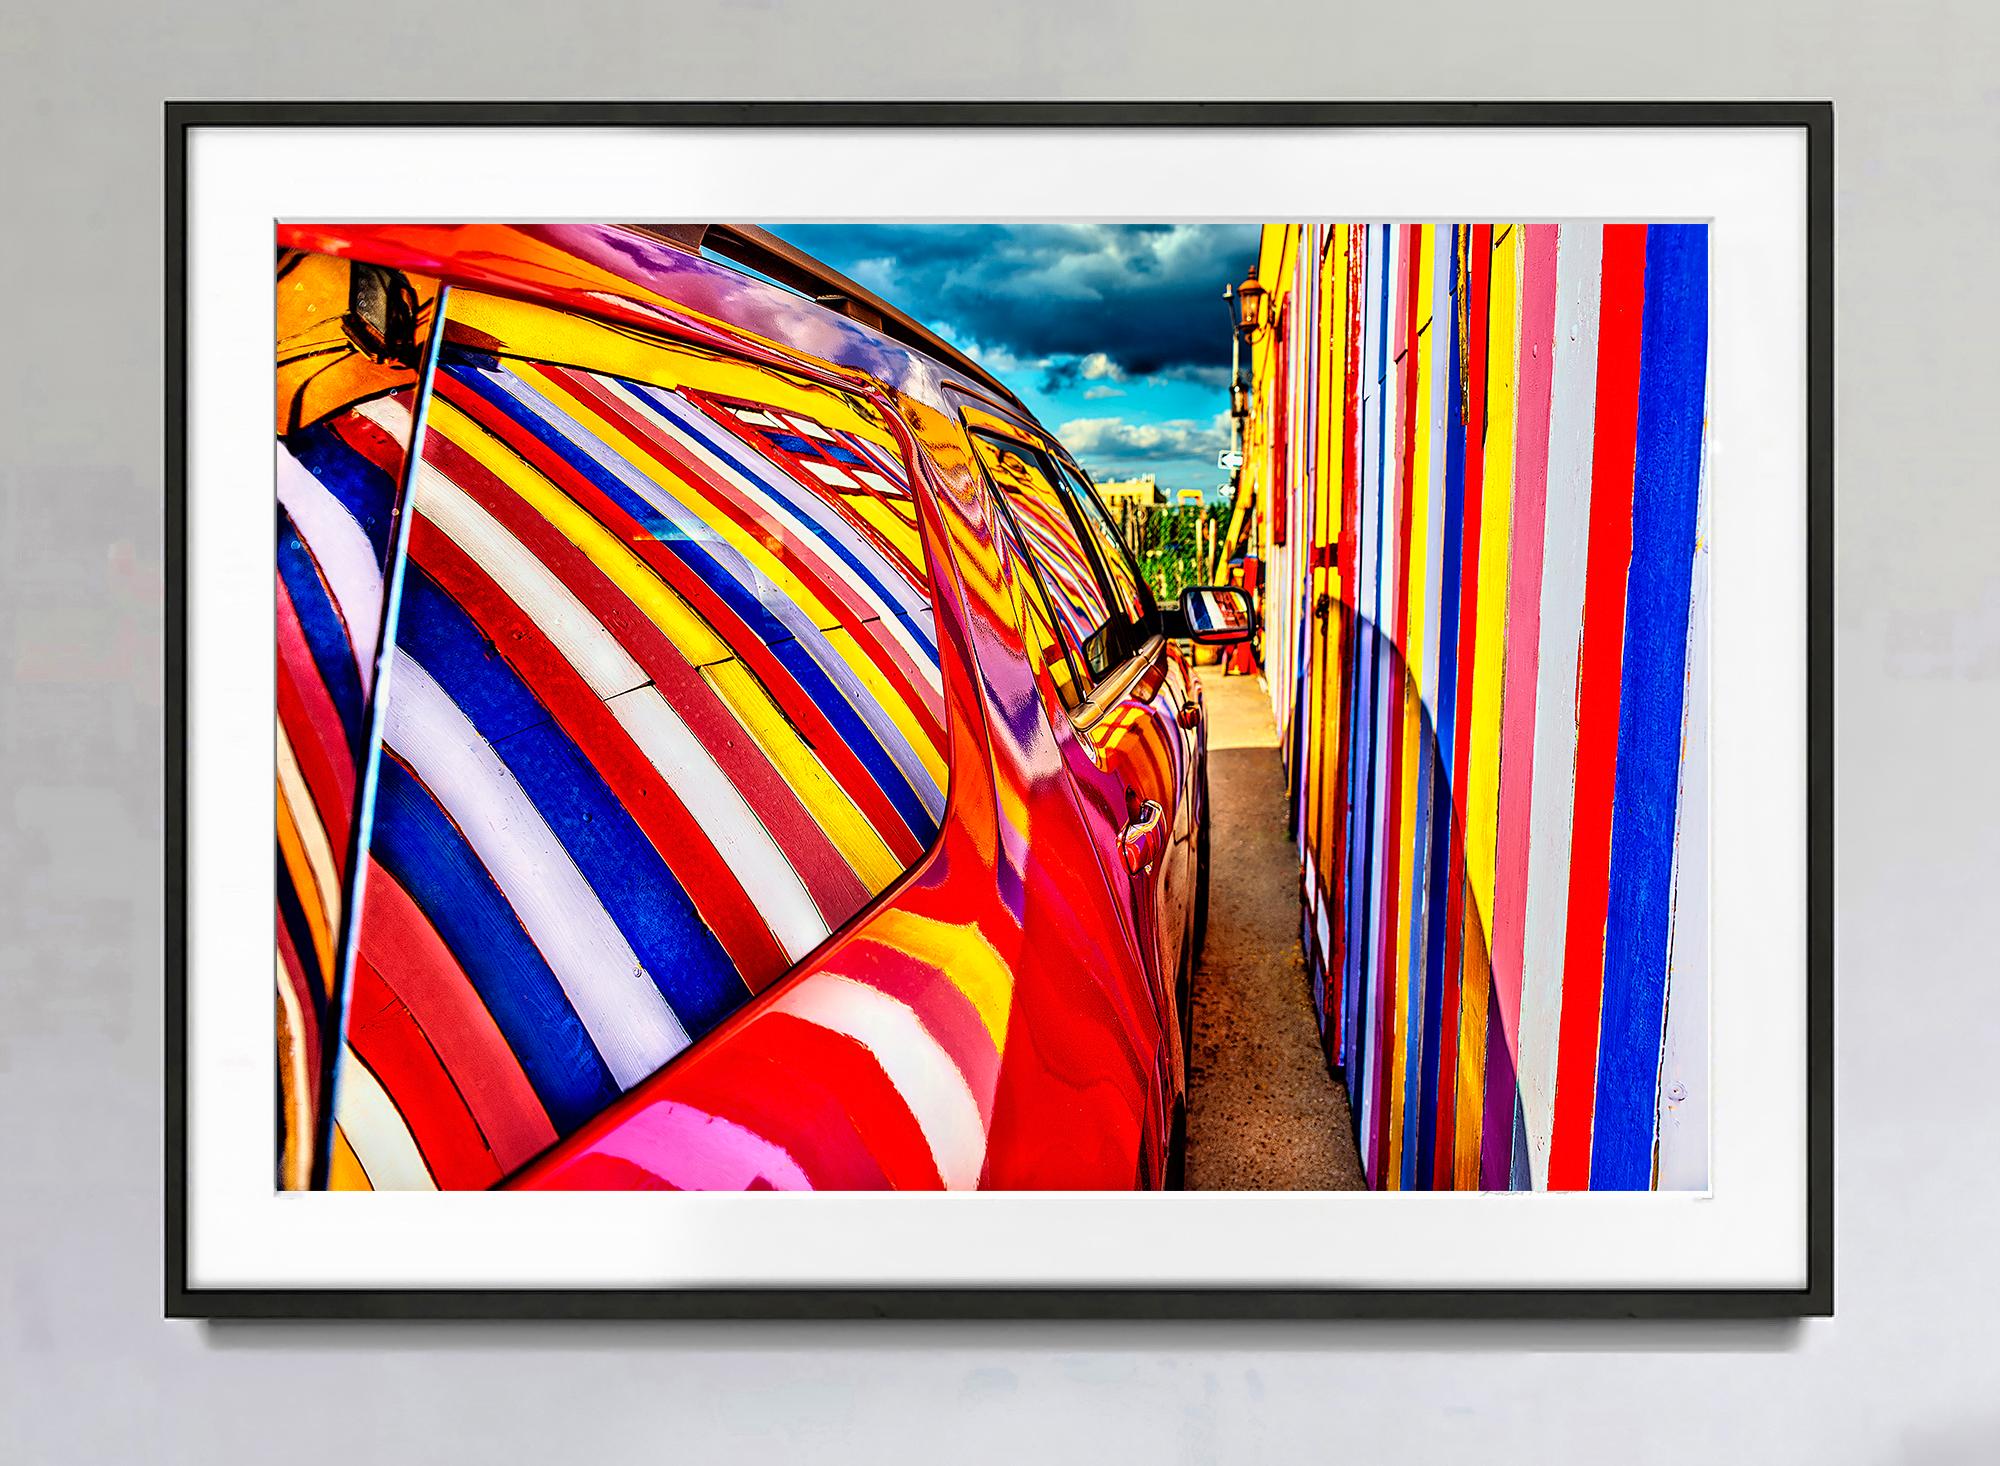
[640, 894]
[852, 729]
[1666, 487]
[1361, 922]
[326, 634]
[365, 491]
[1444, 830]
[418, 844]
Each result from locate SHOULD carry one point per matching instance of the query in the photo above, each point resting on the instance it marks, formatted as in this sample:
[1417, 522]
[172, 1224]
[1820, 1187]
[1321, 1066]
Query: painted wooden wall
[1478, 455]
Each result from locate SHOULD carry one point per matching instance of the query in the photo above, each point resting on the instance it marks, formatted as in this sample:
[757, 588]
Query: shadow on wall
[1406, 1002]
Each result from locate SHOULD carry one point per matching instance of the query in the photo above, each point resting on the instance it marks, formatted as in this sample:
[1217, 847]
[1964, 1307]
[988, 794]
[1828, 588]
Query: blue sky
[1115, 334]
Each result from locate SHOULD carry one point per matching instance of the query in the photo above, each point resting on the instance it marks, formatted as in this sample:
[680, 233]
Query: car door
[1144, 726]
[1130, 758]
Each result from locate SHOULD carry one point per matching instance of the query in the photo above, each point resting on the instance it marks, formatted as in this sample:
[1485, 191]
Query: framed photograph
[828, 709]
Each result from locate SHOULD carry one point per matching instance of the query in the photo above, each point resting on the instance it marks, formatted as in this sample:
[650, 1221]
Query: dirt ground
[1264, 1114]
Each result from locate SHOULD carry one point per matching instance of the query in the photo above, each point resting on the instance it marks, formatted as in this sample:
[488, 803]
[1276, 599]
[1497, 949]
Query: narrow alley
[1264, 1113]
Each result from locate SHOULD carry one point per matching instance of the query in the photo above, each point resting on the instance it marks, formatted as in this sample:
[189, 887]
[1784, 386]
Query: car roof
[719, 282]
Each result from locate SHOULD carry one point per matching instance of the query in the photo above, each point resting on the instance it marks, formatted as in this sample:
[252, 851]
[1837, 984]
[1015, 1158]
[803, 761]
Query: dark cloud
[1143, 299]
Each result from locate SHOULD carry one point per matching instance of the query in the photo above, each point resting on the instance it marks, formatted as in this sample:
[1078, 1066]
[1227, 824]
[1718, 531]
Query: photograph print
[1024, 707]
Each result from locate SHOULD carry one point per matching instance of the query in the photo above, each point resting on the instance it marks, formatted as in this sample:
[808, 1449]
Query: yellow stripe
[344, 1172]
[311, 903]
[1333, 505]
[901, 533]
[1482, 796]
[691, 496]
[661, 604]
[522, 329]
[850, 831]
[311, 832]
[295, 1100]
[1423, 353]
[962, 953]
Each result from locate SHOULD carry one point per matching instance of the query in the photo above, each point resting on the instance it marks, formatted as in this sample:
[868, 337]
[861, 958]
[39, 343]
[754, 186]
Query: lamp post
[1237, 396]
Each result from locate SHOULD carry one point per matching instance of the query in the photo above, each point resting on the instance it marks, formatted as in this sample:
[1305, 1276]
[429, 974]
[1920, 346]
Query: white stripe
[752, 856]
[1565, 560]
[341, 549]
[627, 1018]
[811, 520]
[666, 411]
[827, 473]
[586, 644]
[377, 1132]
[391, 416]
[922, 1072]
[551, 605]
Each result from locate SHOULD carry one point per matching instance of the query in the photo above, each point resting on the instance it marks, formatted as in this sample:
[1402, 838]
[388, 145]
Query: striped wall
[1478, 455]
[662, 710]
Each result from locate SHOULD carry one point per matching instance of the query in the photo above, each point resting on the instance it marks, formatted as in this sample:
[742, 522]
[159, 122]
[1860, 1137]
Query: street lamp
[1250, 306]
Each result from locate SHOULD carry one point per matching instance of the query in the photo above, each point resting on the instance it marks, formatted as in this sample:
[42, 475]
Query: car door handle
[1190, 714]
[1140, 842]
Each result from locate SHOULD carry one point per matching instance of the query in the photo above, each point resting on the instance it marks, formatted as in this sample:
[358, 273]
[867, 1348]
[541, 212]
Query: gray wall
[1910, 1369]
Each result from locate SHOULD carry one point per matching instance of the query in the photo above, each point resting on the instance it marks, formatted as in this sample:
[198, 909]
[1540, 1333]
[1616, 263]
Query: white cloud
[1100, 392]
[1114, 438]
[1097, 367]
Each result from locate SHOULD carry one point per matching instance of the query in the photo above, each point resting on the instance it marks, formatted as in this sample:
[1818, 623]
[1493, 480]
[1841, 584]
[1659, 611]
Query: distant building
[1143, 491]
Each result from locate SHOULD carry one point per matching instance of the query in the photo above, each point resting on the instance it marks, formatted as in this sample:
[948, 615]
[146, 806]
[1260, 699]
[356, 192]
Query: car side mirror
[1217, 615]
[381, 319]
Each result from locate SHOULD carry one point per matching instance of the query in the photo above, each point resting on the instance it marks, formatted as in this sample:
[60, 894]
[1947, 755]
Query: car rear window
[664, 711]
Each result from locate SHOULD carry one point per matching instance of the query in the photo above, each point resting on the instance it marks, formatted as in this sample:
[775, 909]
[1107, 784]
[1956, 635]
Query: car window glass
[1040, 511]
[1128, 590]
[666, 710]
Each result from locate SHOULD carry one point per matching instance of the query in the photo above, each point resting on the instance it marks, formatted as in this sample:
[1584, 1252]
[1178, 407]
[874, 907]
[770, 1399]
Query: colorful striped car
[722, 742]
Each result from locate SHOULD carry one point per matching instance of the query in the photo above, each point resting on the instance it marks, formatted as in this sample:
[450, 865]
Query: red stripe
[373, 441]
[764, 1089]
[387, 1040]
[805, 714]
[1479, 301]
[319, 743]
[644, 793]
[1598, 674]
[1387, 1014]
[1343, 629]
[946, 1013]
[834, 886]
[295, 974]
[881, 1115]
[900, 475]
[804, 559]
[399, 944]
[717, 409]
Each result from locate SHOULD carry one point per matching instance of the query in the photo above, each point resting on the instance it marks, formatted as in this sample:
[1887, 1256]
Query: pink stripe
[1524, 629]
[670, 1144]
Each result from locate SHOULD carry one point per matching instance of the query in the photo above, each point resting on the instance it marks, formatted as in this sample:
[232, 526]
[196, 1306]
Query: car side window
[1133, 595]
[1041, 512]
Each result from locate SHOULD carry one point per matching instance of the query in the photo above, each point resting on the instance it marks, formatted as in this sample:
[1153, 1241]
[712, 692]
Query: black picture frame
[1814, 1298]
